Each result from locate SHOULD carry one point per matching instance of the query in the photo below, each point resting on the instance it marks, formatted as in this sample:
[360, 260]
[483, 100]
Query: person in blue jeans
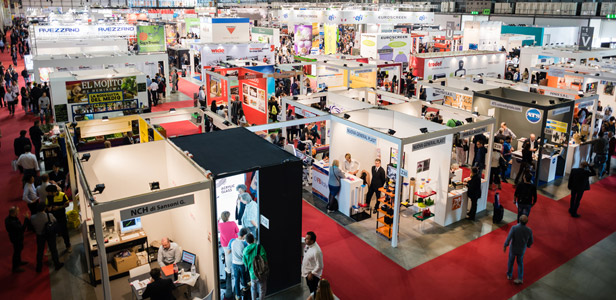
[520, 237]
[335, 176]
[236, 249]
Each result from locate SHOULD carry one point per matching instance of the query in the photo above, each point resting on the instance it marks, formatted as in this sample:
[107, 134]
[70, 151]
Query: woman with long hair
[324, 291]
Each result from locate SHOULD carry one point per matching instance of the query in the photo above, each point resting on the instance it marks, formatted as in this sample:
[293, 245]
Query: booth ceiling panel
[232, 151]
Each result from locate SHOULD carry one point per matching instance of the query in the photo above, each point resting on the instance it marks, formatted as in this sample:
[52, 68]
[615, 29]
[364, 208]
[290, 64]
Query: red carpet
[475, 270]
[175, 104]
[180, 128]
[29, 284]
[188, 88]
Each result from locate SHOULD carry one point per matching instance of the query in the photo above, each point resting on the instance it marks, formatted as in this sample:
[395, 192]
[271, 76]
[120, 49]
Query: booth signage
[261, 30]
[473, 132]
[404, 173]
[560, 111]
[101, 90]
[450, 29]
[585, 39]
[156, 207]
[428, 144]
[585, 104]
[443, 92]
[151, 38]
[47, 32]
[558, 94]
[533, 115]
[264, 222]
[361, 135]
[506, 106]
[556, 72]
[556, 125]
[490, 64]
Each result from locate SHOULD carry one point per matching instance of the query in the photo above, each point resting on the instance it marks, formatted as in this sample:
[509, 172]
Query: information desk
[116, 243]
[576, 154]
[139, 282]
[350, 187]
[548, 166]
[457, 206]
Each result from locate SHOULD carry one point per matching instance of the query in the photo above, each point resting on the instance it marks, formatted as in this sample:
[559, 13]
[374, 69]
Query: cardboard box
[142, 258]
[97, 271]
[124, 264]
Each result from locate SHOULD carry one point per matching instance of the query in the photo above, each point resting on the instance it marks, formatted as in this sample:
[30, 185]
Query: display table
[548, 166]
[115, 243]
[576, 153]
[350, 187]
[457, 206]
[138, 283]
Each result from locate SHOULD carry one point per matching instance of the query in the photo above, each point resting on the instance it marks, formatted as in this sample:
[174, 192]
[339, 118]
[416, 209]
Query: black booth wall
[280, 192]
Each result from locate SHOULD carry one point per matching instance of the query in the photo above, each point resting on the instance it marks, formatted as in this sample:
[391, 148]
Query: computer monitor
[188, 257]
[130, 225]
[391, 172]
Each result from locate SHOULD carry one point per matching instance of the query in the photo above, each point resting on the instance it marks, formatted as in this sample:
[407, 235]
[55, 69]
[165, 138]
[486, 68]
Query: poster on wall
[101, 90]
[151, 38]
[423, 165]
[253, 97]
[456, 66]
[465, 102]
[331, 38]
[347, 39]
[214, 54]
[303, 39]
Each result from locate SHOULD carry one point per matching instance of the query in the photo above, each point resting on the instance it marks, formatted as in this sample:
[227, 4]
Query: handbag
[51, 228]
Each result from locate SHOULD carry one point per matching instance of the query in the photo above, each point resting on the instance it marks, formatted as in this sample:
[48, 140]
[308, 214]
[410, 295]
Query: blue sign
[533, 115]
[361, 135]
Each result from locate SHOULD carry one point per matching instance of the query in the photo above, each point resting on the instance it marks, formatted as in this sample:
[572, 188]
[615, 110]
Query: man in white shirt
[154, 92]
[168, 253]
[507, 131]
[29, 194]
[350, 165]
[27, 161]
[41, 189]
[312, 263]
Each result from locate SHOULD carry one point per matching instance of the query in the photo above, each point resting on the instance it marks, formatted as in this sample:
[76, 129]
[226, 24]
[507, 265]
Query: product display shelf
[382, 227]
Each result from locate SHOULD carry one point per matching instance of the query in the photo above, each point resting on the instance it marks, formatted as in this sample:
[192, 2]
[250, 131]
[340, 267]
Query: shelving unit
[381, 227]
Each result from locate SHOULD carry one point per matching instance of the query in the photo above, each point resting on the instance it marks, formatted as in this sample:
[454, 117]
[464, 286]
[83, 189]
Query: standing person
[2, 45]
[2, 94]
[228, 231]
[213, 106]
[154, 92]
[57, 202]
[36, 135]
[312, 262]
[350, 165]
[507, 131]
[578, 184]
[28, 162]
[495, 168]
[25, 99]
[243, 198]
[507, 157]
[15, 228]
[527, 161]
[474, 191]
[41, 190]
[258, 286]
[600, 148]
[273, 109]
[324, 291]
[174, 81]
[158, 288]
[525, 196]
[236, 250]
[479, 160]
[520, 237]
[377, 181]
[57, 177]
[20, 143]
[24, 74]
[611, 150]
[44, 235]
[335, 177]
[43, 104]
[292, 131]
[162, 87]
[9, 98]
[250, 219]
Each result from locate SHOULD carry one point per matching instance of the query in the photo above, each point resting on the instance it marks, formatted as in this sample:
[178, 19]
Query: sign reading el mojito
[102, 90]
[151, 38]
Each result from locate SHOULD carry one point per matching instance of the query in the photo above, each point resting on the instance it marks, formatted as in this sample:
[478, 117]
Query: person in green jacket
[257, 286]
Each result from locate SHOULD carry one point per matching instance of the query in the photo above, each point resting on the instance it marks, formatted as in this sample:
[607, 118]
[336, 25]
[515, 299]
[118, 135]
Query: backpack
[274, 111]
[260, 266]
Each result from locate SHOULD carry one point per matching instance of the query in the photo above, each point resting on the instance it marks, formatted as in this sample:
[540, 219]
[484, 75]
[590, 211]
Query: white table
[576, 153]
[548, 166]
[350, 187]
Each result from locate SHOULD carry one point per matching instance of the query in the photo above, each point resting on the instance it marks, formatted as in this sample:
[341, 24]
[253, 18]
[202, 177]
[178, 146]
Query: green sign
[191, 22]
[151, 38]
[611, 16]
[261, 30]
[486, 11]
[474, 12]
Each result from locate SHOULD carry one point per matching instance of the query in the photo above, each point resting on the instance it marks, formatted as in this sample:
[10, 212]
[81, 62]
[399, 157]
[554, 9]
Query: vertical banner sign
[303, 39]
[585, 40]
[331, 38]
[151, 38]
[451, 25]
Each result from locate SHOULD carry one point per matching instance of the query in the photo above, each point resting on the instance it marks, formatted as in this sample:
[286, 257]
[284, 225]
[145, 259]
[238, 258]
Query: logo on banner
[422, 17]
[231, 29]
[219, 51]
[331, 17]
[533, 115]
[285, 16]
[358, 18]
[435, 64]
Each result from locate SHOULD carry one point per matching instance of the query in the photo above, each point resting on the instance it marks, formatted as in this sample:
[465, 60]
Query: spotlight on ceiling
[391, 131]
[552, 101]
[105, 118]
[423, 130]
[85, 157]
[172, 110]
[346, 116]
[99, 188]
[469, 120]
[154, 186]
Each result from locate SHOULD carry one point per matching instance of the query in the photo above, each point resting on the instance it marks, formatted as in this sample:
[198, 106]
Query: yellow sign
[105, 97]
[466, 102]
[331, 38]
[556, 125]
[362, 78]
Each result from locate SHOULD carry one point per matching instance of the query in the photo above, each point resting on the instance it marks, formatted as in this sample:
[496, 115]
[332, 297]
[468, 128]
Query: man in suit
[378, 181]
[578, 183]
[15, 229]
[158, 288]
[20, 143]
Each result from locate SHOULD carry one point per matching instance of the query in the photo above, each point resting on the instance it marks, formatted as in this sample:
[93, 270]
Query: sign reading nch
[152, 208]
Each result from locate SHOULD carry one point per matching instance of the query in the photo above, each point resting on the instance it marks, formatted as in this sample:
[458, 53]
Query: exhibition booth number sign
[101, 90]
[155, 207]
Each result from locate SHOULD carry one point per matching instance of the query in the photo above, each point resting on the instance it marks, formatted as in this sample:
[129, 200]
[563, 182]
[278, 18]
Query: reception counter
[576, 154]
[350, 187]
[548, 166]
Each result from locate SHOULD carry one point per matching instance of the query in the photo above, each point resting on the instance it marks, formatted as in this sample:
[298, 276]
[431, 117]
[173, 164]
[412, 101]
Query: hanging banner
[506, 106]
[101, 90]
[49, 32]
[151, 38]
[355, 17]
[331, 38]
[585, 39]
[303, 39]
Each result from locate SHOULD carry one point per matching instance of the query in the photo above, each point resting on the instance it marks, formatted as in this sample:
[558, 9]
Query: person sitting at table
[158, 288]
[350, 165]
[168, 253]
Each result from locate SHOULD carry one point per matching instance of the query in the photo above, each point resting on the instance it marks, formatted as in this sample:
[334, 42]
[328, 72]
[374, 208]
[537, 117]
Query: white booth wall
[90, 46]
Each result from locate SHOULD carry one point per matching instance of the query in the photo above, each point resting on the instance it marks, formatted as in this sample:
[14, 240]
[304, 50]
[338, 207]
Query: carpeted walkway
[474, 270]
[180, 128]
[29, 284]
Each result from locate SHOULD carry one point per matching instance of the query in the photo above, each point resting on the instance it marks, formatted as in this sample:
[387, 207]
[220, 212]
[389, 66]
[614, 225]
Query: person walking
[174, 81]
[250, 218]
[495, 169]
[525, 196]
[335, 178]
[312, 262]
[56, 203]
[36, 136]
[258, 286]
[43, 222]
[15, 228]
[154, 92]
[236, 250]
[526, 163]
[479, 160]
[474, 192]
[578, 184]
[201, 96]
[228, 231]
[520, 237]
[600, 148]
[20, 143]
[43, 104]
[2, 94]
[9, 98]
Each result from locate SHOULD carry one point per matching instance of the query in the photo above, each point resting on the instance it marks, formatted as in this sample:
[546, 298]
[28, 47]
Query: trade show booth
[533, 56]
[178, 121]
[160, 193]
[546, 117]
[437, 65]
[394, 47]
[95, 94]
[272, 178]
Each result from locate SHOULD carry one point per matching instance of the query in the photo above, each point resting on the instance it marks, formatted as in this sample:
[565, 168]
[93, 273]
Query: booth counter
[90, 94]
[351, 190]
